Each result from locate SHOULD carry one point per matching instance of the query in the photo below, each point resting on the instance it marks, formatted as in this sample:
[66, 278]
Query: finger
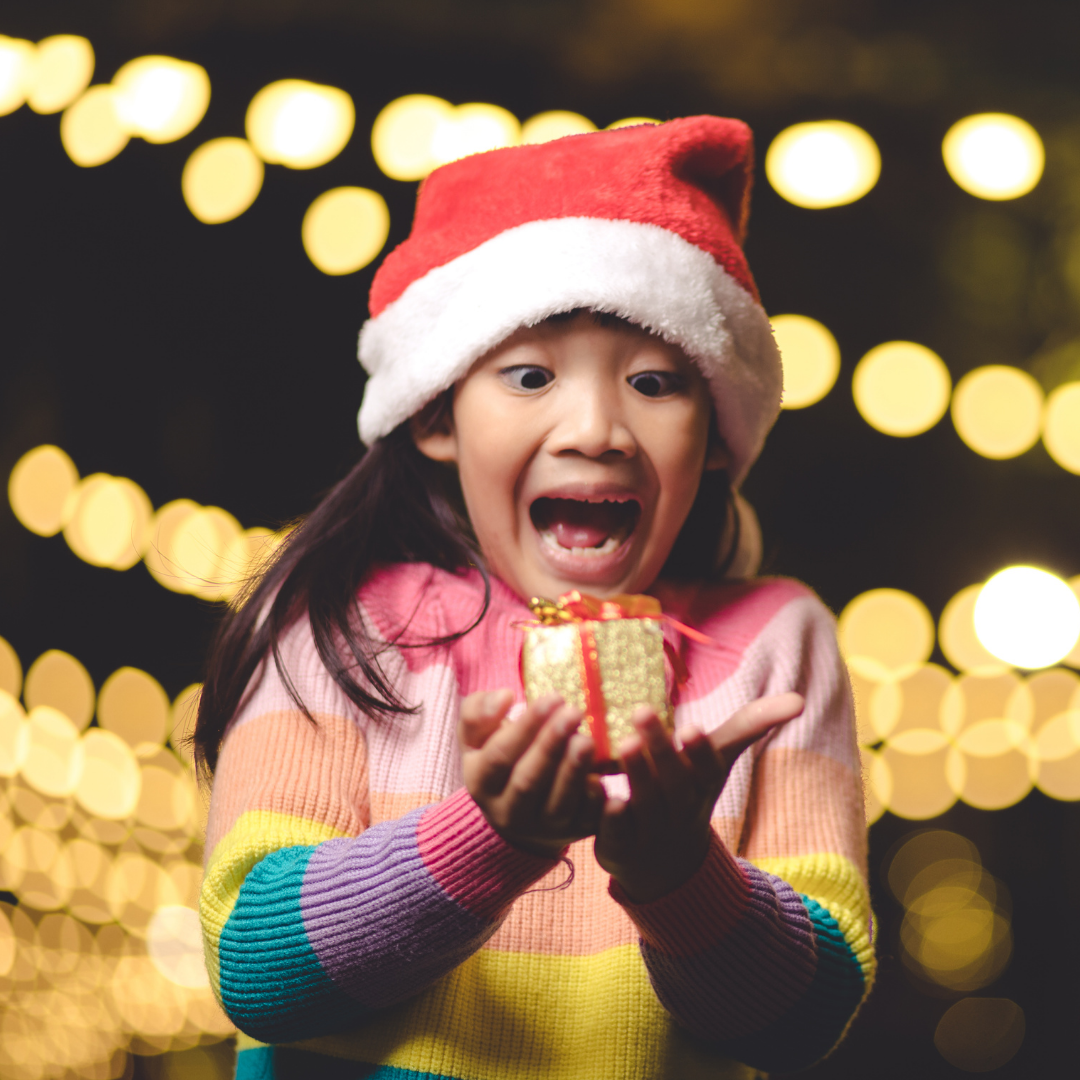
[616, 835]
[644, 791]
[481, 714]
[533, 774]
[569, 789]
[752, 721]
[668, 766]
[502, 751]
[709, 768]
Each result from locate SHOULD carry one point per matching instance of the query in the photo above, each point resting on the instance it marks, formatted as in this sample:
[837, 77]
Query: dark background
[216, 363]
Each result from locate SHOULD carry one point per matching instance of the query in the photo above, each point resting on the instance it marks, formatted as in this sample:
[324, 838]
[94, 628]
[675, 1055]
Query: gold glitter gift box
[604, 656]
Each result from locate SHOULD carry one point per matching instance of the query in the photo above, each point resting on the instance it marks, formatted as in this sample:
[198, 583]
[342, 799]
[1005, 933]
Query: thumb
[481, 715]
[749, 723]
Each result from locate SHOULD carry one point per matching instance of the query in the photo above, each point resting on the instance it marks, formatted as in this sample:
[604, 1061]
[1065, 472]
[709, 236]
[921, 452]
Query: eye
[655, 383]
[526, 377]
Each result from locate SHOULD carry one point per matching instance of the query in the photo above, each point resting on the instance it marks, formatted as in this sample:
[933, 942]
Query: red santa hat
[645, 222]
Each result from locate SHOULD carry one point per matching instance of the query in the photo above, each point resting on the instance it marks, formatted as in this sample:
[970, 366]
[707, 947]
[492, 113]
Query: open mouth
[583, 527]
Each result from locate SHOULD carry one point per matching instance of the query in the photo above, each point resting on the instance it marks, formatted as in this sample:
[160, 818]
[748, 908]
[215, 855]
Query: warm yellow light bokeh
[174, 942]
[474, 129]
[1061, 426]
[14, 736]
[200, 548]
[107, 521]
[159, 558]
[980, 1034]
[631, 121]
[956, 634]
[822, 164]
[545, 126]
[221, 179]
[811, 359]
[91, 130]
[62, 71]
[54, 755]
[996, 770]
[994, 155]
[133, 706]
[901, 388]
[58, 680]
[299, 124]
[161, 99]
[888, 626]
[185, 711]
[17, 63]
[39, 486]
[345, 228]
[10, 669]
[1073, 658]
[917, 760]
[1027, 617]
[110, 782]
[997, 411]
[404, 132]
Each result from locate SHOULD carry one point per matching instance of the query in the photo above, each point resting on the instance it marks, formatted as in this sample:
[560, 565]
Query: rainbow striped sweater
[362, 918]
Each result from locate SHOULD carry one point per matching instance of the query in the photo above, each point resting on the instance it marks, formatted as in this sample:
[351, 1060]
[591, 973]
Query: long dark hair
[395, 505]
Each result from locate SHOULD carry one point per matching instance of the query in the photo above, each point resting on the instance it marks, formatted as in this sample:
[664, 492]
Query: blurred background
[193, 197]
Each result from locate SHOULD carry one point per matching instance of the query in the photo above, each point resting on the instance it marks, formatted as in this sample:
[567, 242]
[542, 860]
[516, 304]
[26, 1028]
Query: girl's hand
[530, 777]
[657, 840]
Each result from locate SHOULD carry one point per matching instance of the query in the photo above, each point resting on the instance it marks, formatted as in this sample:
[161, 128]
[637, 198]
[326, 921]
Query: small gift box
[604, 656]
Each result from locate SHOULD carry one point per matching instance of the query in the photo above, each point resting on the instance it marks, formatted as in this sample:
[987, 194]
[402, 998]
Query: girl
[410, 873]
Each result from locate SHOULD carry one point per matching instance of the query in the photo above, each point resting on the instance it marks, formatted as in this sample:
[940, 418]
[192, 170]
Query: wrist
[646, 881]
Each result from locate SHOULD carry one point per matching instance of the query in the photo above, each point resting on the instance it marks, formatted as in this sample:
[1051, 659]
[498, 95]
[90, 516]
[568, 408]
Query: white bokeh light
[1027, 617]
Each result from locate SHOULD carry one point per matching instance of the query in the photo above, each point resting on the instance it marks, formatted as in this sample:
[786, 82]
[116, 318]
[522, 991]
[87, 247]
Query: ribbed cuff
[698, 914]
[471, 861]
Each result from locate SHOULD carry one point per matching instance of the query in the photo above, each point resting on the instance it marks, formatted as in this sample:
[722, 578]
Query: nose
[591, 425]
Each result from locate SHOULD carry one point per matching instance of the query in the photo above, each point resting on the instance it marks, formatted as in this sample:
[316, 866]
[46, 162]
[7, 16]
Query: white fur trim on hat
[431, 335]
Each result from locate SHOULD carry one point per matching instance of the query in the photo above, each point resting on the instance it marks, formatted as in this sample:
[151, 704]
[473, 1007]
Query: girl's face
[580, 448]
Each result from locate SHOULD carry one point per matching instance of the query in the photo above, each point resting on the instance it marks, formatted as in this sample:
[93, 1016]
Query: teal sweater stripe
[809, 1030]
[272, 984]
[287, 1063]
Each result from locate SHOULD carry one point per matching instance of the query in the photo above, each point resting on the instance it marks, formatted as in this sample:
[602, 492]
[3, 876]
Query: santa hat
[643, 222]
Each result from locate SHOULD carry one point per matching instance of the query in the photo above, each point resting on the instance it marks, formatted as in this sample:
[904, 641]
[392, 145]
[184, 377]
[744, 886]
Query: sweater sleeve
[768, 956]
[313, 918]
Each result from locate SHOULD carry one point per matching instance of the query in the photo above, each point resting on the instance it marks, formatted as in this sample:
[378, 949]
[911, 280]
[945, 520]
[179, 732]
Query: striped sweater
[362, 918]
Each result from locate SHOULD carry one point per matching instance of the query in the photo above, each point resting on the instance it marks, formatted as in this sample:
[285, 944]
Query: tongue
[581, 524]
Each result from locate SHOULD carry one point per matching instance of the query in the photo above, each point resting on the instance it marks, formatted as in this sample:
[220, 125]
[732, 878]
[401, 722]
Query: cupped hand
[530, 777]
[655, 841]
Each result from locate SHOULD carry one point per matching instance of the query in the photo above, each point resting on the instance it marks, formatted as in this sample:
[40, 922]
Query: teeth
[606, 548]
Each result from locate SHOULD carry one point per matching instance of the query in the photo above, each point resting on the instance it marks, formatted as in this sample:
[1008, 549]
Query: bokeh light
[10, 669]
[161, 99]
[822, 164]
[901, 388]
[174, 942]
[1061, 426]
[91, 130]
[811, 359]
[221, 179]
[299, 124]
[63, 68]
[994, 155]
[54, 752]
[200, 548]
[58, 680]
[995, 771]
[14, 735]
[17, 62]
[978, 696]
[185, 711]
[345, 228]
[957, 637]
[980, 1034]
[107, 519]
[134, 707]
[956, 930]
[917, 760]
[110, 782]
[631, 121]
[404, 132]
[159, 558]
[997, 411]
[886, 626]
[474, 129]
[1027, 617]
[555, 124]
[39, 487]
